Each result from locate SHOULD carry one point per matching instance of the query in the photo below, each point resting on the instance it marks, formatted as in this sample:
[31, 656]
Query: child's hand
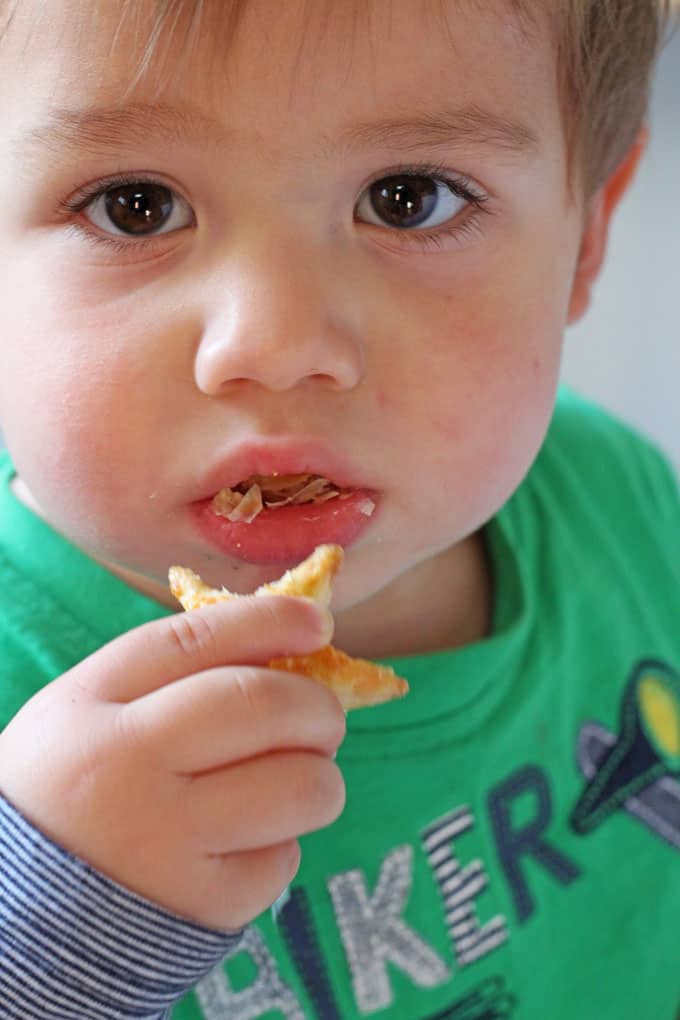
[176, 770]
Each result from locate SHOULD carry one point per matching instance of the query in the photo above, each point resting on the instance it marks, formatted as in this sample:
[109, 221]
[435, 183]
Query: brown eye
[138, 209]
[404, 200]
[409, 200]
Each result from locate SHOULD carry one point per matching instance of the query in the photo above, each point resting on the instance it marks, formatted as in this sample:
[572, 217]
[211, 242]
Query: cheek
[473, 407]
[71, 450]
[81, 408]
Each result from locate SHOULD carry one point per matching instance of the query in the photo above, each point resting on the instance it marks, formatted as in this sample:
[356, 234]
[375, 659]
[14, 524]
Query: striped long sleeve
[75, 945]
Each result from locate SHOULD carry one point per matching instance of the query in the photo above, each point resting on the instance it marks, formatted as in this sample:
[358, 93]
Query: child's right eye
[132, 207]
[141, 208]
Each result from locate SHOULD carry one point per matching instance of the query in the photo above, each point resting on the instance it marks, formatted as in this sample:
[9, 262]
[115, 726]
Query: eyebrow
[470, 125]
[97, 131]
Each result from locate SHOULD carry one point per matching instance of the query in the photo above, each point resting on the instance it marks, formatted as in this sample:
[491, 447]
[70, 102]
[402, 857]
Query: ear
[596, 227]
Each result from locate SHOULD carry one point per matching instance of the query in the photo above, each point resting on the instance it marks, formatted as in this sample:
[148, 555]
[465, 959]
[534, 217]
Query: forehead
[313, 63]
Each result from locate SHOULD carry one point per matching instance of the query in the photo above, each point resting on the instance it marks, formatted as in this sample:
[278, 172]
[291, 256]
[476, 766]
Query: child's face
[277, 301]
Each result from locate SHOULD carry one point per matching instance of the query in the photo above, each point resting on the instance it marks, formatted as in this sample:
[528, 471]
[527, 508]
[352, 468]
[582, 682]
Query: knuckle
[337, 723]
[270, 611]
[278, 865]
[255, 697]
[340, 792]
[236, 905]
[288, 857]
[193, 635]
[129, 728]
[324, 792]
[253, 880]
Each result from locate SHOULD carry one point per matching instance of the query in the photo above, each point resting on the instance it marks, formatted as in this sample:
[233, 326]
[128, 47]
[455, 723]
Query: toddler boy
[340, 241]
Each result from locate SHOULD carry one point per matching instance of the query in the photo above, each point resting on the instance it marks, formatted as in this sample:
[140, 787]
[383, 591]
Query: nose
[279, 319]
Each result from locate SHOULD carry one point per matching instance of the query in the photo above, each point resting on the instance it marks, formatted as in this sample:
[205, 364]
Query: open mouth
[249, 498]
[280, 518]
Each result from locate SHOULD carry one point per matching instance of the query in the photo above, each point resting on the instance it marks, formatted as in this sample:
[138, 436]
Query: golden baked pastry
[356, 683]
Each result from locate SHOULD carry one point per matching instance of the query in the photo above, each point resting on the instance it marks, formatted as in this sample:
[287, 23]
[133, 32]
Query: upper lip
[280, 455]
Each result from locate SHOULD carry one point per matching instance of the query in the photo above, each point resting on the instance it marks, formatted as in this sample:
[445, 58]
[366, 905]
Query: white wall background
[626, 352]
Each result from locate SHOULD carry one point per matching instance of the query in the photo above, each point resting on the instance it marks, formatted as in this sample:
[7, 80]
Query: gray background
[626, 352]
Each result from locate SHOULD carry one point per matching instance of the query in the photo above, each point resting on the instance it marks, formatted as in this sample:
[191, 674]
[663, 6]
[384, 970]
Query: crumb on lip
[247, 499]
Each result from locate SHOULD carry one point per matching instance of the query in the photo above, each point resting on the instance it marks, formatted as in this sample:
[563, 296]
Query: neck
[445, 602]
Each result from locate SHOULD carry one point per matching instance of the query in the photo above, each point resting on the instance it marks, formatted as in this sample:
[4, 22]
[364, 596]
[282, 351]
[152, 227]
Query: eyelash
[460, 186]
[83, 198]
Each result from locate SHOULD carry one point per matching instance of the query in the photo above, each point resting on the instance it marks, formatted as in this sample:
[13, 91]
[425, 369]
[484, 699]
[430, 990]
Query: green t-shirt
[510, 846]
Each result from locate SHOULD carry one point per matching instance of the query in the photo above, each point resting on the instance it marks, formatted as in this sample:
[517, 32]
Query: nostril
[339, 381]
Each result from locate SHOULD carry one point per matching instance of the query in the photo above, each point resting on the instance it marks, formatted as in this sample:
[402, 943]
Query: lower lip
[290, 533]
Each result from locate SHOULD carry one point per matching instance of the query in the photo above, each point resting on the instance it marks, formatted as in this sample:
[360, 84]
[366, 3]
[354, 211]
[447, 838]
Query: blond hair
[605, 53]
[606, 50]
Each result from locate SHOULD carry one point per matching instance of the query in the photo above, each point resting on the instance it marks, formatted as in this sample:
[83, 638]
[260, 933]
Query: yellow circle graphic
[660, 713]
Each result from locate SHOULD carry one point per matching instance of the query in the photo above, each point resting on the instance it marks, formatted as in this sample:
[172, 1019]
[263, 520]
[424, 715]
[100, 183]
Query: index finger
[248, 631]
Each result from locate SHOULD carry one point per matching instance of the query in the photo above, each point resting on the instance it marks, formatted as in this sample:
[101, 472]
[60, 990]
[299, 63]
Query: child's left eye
[135, 208]
[414, 201]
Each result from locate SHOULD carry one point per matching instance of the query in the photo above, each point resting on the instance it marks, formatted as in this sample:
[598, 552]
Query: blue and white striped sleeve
[75, 945]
